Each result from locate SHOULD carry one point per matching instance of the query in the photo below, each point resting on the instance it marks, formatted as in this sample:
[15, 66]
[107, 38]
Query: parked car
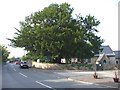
[23, 64]
[17, 62]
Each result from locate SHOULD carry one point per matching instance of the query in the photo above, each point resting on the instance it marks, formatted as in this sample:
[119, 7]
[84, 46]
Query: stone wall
[46, 66]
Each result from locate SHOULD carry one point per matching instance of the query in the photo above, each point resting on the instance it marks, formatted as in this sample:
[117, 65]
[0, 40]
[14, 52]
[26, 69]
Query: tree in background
[54, 33]
[12, 58]
[4, 53]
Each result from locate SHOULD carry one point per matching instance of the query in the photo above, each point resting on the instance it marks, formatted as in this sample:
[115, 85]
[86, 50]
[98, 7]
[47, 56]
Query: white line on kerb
[43, 84]
[106, 86]
[22, 74]
[92, 83]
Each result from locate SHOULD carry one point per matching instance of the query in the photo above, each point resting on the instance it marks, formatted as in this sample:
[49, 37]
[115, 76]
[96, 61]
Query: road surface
[14, 77]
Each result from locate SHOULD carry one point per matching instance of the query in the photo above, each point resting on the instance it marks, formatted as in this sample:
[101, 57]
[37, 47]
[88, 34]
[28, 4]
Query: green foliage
[12, 58]
[4, 53]
[81, 64]
[53, 32]
[78, 65]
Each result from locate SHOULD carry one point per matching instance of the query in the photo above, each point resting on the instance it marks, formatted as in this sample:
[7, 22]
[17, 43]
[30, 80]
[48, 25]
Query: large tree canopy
[53, 32]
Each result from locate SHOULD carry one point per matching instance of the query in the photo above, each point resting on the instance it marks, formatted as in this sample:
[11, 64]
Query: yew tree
[53, 32]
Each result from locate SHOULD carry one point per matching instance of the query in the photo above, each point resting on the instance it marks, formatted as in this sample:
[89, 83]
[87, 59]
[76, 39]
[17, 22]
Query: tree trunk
[82, 60]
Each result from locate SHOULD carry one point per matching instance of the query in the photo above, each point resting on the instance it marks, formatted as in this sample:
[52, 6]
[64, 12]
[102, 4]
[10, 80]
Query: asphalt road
[0, 76]
[14, 77]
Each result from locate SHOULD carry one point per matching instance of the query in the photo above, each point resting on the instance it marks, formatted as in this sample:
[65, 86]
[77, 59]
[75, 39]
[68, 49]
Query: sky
[14, 11]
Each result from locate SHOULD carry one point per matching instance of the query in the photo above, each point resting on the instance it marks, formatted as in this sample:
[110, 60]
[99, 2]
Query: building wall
[112, 60]
[93, 60]
[74, 60]
[106, 62]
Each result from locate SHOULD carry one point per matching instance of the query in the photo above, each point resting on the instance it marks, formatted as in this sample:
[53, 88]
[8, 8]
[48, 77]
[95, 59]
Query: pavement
[104, 81]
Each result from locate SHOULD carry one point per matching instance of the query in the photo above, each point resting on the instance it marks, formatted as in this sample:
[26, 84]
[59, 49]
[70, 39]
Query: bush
[89, 66]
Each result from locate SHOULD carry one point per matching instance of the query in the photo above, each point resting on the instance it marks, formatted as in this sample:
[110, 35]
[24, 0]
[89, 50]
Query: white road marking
[14, 69]
[43, 84]
[80, 81]
[22, 74]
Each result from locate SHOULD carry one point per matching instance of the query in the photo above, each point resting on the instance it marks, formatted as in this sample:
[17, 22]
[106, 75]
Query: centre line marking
[14, 69]
[22, 74]
[43, 84]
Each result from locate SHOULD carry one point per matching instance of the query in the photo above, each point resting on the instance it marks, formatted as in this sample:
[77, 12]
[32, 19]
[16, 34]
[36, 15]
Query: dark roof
[117, 54]
[106, 50]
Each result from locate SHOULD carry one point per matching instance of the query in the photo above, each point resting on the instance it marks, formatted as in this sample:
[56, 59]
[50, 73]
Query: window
[116, 62]
[104, 61]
